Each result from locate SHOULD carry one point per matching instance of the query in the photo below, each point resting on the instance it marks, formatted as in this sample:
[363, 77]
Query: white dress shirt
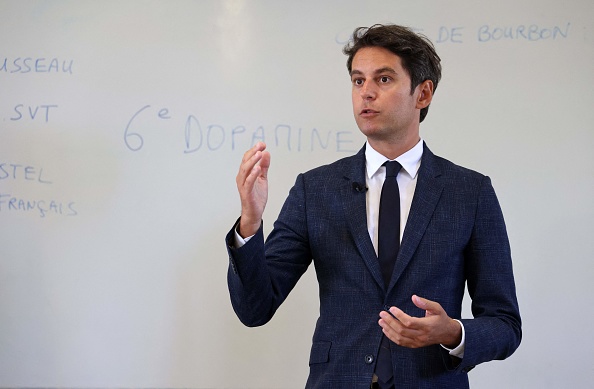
[407, 182]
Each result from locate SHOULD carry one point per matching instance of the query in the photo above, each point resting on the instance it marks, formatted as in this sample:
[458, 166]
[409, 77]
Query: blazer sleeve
[261, 275]
[495, 331]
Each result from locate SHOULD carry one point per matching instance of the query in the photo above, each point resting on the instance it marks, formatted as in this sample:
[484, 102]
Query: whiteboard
[122, 125]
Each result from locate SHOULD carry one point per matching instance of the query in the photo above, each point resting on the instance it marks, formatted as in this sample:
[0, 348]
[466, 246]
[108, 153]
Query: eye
[358, 81]
[384, 79]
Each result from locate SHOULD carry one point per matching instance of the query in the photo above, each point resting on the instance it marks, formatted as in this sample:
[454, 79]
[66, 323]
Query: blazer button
[369, 359]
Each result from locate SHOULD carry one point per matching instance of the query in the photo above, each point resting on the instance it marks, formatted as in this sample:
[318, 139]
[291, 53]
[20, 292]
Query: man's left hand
[413, 332]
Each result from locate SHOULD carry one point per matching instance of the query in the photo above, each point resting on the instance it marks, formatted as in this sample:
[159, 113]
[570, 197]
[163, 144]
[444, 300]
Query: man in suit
[394, 322]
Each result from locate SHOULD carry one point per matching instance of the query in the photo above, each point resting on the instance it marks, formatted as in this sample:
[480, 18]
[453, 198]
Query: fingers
[265, 160]
[400, 332]
[249, 170]
[399, 321]
[254, 166]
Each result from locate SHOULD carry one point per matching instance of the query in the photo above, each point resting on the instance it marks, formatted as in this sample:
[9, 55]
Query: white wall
[121, 280]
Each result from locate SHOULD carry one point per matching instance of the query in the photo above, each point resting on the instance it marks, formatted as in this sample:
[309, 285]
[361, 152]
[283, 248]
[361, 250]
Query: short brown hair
[416, 52]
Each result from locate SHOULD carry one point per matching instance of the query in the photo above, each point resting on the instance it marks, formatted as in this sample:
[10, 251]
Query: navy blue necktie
[388, 243]
[387, 250]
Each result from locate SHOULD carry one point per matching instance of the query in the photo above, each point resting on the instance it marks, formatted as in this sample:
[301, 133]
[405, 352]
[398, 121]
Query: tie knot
[392, 168]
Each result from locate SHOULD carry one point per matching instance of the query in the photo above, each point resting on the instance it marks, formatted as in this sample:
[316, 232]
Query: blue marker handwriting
[196, 136]
[18, 172]
[31, 112]
[12, 204]
[22, 65]
[457, 34]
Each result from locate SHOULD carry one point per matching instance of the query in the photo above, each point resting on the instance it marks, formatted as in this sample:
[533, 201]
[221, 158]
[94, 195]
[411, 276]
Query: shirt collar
[410, 161]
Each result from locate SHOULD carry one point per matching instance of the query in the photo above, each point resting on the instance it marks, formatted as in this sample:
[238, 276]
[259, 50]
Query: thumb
[431, 307]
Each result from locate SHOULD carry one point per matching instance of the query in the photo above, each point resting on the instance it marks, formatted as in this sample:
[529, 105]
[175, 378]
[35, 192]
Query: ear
[425, 94]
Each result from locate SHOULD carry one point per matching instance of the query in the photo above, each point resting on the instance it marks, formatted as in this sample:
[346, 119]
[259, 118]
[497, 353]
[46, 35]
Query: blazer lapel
[427, 194]
[355, 210]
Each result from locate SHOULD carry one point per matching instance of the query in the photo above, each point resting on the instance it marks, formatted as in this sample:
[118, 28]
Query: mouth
[368, 112]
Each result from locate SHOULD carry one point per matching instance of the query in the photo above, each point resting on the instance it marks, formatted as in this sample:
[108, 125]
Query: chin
[370, 131]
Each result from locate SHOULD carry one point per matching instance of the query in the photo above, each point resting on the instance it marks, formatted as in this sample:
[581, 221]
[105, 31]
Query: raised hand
[252, 184]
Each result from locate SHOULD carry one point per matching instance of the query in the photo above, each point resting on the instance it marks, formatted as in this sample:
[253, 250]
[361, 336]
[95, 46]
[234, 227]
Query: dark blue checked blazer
[455, 235]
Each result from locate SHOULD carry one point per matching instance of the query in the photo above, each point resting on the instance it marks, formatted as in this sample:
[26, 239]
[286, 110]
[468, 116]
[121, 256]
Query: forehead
[371, 59]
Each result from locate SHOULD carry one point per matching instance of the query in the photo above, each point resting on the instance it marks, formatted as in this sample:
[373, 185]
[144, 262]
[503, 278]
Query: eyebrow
[385, 69]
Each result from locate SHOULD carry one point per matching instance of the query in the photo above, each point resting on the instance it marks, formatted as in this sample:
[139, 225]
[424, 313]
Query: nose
[368, 91]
